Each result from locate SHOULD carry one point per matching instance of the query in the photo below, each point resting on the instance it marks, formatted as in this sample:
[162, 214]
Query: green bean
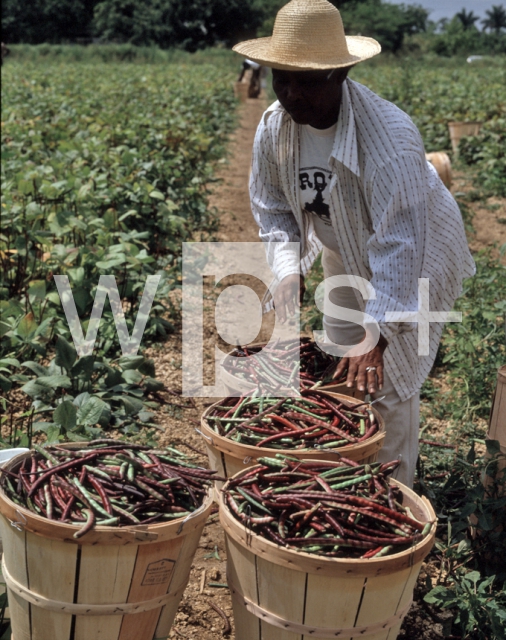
[253, 501]
[44, 452]
[98, 507]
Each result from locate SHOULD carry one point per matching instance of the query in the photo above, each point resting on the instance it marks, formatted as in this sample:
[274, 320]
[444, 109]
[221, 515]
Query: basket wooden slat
[179, 579]
[497, 423]
[497, 428]
[19, 609]
[288, 603]
[241, 571]
[51, 570]
[95, 560]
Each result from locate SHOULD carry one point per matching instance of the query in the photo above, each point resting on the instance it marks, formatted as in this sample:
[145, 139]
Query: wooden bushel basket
[228, 457]
[240, 386]
[443, 166]
[114, 583]
[283, 594]
[459, 130]
[241, 90]
[497, 424]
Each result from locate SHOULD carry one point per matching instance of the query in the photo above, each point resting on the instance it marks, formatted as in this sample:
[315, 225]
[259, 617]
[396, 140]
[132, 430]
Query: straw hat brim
[259, 50]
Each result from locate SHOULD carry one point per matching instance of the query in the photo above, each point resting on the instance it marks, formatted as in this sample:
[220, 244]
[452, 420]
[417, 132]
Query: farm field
[107, 167]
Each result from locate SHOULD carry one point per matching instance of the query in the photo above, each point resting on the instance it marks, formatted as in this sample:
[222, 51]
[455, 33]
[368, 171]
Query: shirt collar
[345, 149]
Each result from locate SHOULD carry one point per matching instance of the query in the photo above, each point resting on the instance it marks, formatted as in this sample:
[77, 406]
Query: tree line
[202, 23]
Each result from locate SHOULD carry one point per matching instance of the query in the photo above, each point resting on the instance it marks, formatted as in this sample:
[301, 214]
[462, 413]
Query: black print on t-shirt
[313, 183]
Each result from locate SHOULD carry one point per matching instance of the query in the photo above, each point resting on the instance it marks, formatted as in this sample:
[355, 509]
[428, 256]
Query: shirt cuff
[392, 329]
[286, 263]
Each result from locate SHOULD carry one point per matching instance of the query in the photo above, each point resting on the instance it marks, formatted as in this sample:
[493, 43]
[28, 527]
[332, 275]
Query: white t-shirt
[314, 180]
[253, 65]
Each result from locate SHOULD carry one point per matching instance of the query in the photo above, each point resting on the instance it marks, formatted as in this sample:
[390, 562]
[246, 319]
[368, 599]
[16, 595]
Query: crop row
[442, 92]
[105, 170]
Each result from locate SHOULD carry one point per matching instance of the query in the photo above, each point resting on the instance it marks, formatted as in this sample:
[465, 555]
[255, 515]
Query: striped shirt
[393, 218]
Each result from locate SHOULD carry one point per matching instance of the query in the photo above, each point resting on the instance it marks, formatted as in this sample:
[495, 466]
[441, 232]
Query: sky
[448, 8]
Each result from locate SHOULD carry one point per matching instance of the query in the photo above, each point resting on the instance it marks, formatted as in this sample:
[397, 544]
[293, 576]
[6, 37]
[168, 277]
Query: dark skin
[314, 98]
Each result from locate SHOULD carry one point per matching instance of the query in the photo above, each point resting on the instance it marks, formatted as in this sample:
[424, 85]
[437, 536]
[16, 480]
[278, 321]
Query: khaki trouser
[402, 419]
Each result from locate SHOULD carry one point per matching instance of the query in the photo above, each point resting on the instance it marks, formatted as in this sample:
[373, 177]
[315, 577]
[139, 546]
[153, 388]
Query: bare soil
[489, 217]
[197, 618]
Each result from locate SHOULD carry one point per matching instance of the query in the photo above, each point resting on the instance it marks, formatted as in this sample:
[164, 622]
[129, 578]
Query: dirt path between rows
[197, 618]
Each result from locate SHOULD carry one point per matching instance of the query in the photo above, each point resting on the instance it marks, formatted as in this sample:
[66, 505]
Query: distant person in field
[253, 72]
[5, 51]
[337, 168]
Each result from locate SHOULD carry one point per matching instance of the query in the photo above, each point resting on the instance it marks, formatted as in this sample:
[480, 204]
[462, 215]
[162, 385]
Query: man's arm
[398, 198]
[396, 248]
[277, 224]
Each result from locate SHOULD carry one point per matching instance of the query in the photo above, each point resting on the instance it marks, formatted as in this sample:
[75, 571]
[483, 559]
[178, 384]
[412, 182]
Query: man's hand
[288, 296]
[366, 370]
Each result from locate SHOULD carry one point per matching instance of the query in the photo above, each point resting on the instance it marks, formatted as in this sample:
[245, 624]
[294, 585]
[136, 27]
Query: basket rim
[321, 565]
[227, 375]
[375, 442]
[134, 534]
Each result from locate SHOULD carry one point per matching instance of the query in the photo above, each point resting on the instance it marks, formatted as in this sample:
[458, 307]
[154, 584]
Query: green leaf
[55, 381]
[81, 399]
[132, 376]
[5, 383]
[37, 290]
[145, 416]
[53, 297]
[27, 326]
[41, 426]
[105, 416]
[147, 368]
[437, 595]
[158, 195]
[493, 447]
[44, 327]
[4, 328]
[132, 405]
[89, 413]
[75, 437]
[66, 415]
[66, 354]
[486, 521]
[83, 368]
[131, 362]
[9, 362]
[37, 368]
[53, 434]
[35, 388]
[152, 384]
[76, 275]
[473, 576]
[113, 378]
[115, 261]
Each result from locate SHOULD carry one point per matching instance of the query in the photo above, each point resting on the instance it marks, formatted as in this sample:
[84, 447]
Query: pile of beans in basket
[316, 366]
[336, 509]
[313, 420]
[108, 483]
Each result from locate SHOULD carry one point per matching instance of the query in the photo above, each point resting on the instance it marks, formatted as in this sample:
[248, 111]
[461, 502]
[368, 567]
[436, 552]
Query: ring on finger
[370, 369]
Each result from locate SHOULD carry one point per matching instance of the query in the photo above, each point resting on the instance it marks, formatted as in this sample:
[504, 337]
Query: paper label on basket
[158, 572]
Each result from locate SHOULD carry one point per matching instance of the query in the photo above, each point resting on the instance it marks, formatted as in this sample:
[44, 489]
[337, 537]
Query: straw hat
[308, 34]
